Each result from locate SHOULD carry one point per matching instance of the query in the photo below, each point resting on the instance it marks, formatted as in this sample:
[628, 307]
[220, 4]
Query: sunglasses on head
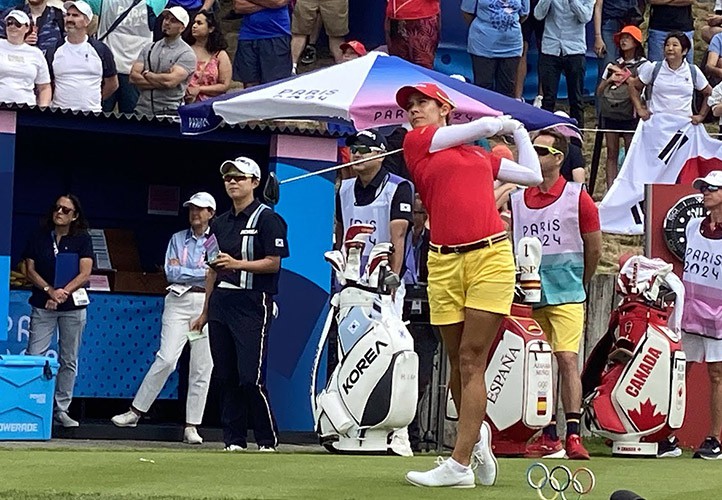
[13, 22]
[237, 178]
[543, 150]
[62, 209]
[709, 188]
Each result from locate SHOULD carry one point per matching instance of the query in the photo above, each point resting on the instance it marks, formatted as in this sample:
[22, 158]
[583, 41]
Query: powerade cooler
[27, 386]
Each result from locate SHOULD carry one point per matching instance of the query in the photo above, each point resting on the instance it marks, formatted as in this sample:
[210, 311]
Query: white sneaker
[445, 475]
[64, 419]
[400, 444]
[267, 449]
[486, 464]
[234, 447]
[538, 101]
[127, 419]
[191, 436]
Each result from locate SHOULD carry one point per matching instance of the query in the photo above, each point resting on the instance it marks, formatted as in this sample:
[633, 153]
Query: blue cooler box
[27, 387]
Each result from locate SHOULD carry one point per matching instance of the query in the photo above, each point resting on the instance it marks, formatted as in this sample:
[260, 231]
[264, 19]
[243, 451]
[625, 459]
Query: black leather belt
[486, 242]
[197, 289]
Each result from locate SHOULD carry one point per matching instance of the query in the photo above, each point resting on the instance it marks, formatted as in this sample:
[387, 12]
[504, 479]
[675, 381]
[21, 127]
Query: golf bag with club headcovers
[373, 389]
[520, 395]
[634, 379]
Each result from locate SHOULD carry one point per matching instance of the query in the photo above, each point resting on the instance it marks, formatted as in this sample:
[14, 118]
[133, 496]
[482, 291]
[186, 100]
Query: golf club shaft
[338, 167]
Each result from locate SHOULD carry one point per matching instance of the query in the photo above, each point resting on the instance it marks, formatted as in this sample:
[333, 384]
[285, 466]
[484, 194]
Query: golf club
[271, 191]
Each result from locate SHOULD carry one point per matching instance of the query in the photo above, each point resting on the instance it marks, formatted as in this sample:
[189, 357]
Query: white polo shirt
[672, 91]
[21, 68]
[78, 71]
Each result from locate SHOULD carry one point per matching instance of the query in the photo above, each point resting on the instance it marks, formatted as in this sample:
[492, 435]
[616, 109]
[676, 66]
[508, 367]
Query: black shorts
[263, 61]
[630, 125]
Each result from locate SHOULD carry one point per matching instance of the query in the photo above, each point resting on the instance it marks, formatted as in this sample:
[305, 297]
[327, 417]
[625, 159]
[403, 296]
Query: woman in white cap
[185, 269]
[24, 75]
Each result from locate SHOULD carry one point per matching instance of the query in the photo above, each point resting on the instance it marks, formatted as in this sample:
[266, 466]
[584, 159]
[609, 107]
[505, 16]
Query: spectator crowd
[150, 57]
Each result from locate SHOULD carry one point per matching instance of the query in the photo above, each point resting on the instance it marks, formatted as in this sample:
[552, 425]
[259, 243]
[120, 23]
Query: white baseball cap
[714, 178]
[19, 16]
[202, 200]
[243, 165]
[179, 13]
[82, 6]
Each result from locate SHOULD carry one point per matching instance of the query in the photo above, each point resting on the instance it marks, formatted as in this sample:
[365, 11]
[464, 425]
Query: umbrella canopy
[358, 93]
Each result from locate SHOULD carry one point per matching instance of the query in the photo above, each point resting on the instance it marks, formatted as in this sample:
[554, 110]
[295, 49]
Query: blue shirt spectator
[496, 30]
[564, 32]
[266, 23]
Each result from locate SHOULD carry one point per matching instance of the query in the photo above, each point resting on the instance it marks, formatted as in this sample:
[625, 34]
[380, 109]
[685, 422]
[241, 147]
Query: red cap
[356, 46]
[630, 30]
[428, 89]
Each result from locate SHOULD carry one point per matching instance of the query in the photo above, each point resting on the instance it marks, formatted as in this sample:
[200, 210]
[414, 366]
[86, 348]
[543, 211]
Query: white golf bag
[373, 389]
[634, 380]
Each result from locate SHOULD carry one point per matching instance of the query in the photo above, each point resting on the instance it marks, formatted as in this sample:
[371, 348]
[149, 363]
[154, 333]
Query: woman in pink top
[212, 76]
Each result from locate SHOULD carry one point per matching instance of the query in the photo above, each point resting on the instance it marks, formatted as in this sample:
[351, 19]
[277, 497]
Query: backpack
[615, 101]
[697, 96]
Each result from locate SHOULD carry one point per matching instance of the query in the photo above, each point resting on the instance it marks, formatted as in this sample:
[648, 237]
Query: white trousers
[178, 314]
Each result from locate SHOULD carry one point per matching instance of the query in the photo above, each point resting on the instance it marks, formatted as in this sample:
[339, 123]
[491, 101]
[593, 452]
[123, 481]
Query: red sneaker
[543, 447]
[575, 448]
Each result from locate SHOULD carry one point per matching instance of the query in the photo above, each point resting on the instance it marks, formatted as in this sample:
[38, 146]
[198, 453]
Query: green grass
[176, 474]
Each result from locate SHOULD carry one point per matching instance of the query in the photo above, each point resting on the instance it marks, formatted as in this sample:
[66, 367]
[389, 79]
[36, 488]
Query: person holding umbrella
[471, 264]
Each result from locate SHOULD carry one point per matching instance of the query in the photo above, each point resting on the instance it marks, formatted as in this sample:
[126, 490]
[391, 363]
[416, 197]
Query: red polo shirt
[412, 9]
[456, 186]
[708, 231]
[588, 212]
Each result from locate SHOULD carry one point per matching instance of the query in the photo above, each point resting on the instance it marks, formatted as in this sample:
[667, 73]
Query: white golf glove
[509, 125]
[528, 260]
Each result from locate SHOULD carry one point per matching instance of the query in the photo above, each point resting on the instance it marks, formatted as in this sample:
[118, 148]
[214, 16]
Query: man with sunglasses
[385, 201]
[565, 219]
[240, 284]
[702, 316]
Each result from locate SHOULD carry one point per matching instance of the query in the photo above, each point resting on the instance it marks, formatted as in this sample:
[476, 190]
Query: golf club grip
[338, 167]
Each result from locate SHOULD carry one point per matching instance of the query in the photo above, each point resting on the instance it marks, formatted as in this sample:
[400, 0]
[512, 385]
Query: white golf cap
[714, 178]
[202, 200]
[82, 6]
[19, 16]
[241, 166]
[179, 13]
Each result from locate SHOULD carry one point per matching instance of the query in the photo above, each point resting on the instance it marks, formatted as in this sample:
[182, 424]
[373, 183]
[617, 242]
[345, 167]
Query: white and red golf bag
[520, 395]
[634, 380]
[373, 389]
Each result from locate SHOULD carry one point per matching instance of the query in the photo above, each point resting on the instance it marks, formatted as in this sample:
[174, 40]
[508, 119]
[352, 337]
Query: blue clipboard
[67, 267]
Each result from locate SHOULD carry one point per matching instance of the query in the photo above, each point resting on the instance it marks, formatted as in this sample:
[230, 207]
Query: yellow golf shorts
[563, 325]
[481, 279]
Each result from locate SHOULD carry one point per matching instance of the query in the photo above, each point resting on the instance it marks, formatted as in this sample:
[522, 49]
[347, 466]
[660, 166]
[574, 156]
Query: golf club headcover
[528, 259]
[356, 237]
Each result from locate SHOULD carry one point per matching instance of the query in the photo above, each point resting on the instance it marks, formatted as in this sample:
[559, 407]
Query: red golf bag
[634, 380]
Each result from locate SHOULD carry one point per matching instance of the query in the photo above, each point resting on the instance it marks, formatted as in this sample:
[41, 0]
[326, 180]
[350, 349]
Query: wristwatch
[46, 288]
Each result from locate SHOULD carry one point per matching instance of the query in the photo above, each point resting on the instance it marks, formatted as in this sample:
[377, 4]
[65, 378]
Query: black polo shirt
[401, 203]
[268, 239]
[40, 248]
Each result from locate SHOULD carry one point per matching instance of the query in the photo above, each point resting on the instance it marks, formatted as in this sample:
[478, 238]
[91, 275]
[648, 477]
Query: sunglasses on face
[360, 149]
[236, 178]
[13, 22]
[708, 188]
[542, 150]
[62, 209]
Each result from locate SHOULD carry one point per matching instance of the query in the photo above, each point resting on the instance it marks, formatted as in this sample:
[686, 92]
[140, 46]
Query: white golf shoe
[127, 419]
[446, 474]
[191, 436]
[486, 464]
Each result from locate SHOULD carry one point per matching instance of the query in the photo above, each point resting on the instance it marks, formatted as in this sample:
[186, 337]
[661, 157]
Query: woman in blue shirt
[495, 41]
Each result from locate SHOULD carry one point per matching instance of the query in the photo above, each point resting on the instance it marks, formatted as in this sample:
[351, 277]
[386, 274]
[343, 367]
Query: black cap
[625, 495]
[371, 138]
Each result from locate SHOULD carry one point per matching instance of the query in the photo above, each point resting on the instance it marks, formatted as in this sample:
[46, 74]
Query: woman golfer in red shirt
[471, 264]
